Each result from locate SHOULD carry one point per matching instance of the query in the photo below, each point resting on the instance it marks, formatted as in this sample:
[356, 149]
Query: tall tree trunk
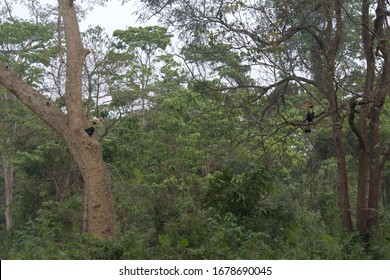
[381, 37]
[373, 195]
[84, 213]
[361, 131]
[361, 203]
[8, 173]
[5, 158]
[333, 36]
[375, 146]
[100, 209]
[85, 150]
[342, 184]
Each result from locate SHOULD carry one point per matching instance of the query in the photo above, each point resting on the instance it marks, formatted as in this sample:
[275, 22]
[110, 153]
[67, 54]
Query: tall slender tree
[70, 125]
[380, 37]
[6, 134]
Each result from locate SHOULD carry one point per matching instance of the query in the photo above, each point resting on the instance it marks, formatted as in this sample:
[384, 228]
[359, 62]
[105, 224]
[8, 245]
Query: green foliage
[147, 38]
[26, 47]
[202, 164]
[43, 237]
[239, 190]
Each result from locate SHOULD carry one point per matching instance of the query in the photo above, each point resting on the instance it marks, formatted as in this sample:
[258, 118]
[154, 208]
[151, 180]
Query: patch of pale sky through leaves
[111, 16]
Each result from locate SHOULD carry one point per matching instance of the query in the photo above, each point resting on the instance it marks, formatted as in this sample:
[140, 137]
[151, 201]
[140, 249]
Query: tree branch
[322, 115]
[43, 107]
[75, 57]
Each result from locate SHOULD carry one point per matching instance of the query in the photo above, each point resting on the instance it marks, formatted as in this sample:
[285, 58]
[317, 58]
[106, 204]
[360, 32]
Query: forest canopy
[231, 130]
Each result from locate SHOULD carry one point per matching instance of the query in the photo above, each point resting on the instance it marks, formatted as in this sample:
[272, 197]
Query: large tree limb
[43, 107]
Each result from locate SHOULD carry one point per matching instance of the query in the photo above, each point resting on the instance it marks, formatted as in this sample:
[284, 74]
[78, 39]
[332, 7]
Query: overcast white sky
[113, 16]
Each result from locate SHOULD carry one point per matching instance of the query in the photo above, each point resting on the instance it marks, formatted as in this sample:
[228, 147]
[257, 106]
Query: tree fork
[85, 150]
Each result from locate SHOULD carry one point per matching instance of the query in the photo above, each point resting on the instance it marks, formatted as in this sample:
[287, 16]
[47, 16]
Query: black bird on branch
[309, 116]
[90, 130]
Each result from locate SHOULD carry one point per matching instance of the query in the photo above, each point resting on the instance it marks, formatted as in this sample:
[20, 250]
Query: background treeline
[204, 144]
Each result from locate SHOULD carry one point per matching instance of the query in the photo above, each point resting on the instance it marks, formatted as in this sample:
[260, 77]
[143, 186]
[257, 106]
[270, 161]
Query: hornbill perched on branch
[90, 130]
[309, 116]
